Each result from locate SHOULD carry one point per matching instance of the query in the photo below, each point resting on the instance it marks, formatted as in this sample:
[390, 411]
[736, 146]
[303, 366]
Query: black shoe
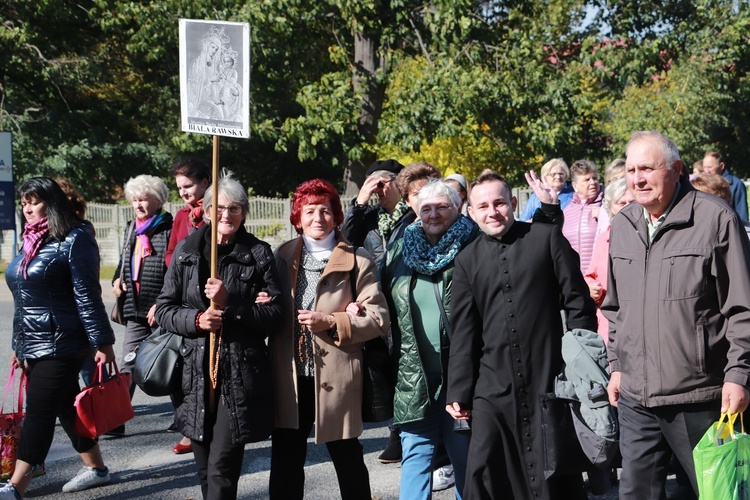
[392, 452]
[117, 432]
[172, 428]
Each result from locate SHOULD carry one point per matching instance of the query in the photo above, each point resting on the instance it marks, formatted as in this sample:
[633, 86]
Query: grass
[107, 272]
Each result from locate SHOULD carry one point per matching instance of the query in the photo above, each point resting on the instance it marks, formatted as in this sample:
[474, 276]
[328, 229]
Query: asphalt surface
[143, 466]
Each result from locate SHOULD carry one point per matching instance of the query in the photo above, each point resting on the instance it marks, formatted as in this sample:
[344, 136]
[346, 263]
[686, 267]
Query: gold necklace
[213, 360]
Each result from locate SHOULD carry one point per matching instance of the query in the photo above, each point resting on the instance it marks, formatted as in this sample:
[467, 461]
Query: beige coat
[338, 364]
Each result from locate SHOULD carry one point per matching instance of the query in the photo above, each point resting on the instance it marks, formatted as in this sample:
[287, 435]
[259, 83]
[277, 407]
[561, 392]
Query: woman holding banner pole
[226, 383]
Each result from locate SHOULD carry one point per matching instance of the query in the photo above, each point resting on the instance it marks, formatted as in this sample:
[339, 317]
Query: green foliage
[91, 89]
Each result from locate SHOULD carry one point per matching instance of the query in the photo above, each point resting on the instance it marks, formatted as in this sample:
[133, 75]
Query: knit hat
[388, 165]
[458, 178]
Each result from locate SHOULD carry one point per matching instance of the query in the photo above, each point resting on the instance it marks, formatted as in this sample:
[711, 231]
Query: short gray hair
[144, 186]
[613, 193]
[436, 187]
[669, 150]
[231, 189]
[382, 173]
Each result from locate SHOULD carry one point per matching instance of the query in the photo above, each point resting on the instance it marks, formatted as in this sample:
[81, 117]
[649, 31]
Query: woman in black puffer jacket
[221, 410]
[59, 316]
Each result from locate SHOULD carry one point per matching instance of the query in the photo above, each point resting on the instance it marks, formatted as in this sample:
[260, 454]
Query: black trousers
[289, 450]
[648, 436]
[219, 461]
[53, 387]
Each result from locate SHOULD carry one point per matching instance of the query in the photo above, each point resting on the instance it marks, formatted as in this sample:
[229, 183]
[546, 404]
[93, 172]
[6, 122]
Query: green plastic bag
[722, 461]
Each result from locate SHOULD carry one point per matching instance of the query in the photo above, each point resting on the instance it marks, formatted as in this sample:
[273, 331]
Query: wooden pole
[215, 338]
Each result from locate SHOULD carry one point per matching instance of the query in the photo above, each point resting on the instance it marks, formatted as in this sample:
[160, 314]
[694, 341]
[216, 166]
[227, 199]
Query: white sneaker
[9, 492]
[87, 477]
[443, 478]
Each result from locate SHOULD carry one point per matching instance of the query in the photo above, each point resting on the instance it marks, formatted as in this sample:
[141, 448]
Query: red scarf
[196, 215]
[33, 237]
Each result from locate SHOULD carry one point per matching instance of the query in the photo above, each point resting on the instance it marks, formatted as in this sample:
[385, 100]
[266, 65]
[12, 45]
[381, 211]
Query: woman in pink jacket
[582, 212]
[615, 198]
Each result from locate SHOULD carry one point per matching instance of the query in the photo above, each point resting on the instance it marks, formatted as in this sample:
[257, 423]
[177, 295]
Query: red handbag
[102, 406]
[10, 425]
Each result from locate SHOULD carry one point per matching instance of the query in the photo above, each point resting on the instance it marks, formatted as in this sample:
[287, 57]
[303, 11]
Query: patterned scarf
[195, 216]
[424, 258]
[387, 222]
[143, 231]
[304, 297]
[34, 235]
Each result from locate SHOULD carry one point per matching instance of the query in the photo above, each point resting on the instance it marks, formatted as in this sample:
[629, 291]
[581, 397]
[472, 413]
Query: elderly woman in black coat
[226, 400]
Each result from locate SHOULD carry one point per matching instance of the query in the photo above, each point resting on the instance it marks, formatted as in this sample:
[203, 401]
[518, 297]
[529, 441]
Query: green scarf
[387, 222]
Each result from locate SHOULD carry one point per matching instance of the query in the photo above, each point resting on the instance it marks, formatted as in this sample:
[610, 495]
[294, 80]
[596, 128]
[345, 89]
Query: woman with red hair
[317, 356]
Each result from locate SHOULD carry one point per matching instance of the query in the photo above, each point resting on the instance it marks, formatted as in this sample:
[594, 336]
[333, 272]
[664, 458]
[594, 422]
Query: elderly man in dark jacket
[679, 278]
[376, 227]
[508, 288]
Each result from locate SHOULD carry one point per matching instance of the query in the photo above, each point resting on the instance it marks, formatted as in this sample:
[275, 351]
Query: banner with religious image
[215, 77]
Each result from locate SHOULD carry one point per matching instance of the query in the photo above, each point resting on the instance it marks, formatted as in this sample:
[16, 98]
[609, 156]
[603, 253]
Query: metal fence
[268, 219]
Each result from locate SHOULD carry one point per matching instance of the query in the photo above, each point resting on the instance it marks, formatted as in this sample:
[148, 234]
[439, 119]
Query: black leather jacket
[245, 373]
[59, 311]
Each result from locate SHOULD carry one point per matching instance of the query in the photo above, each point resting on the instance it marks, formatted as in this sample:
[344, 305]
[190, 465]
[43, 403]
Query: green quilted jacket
[411, 401]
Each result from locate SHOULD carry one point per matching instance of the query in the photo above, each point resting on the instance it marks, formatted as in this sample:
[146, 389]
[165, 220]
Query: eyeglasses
[383, 182]
[233, 209]
[556, 174]
[442, 210]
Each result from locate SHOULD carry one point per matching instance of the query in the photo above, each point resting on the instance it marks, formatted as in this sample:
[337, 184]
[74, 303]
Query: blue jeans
[419, 441]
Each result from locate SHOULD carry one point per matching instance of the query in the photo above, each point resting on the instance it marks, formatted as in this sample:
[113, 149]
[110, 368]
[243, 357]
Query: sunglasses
[383, 182]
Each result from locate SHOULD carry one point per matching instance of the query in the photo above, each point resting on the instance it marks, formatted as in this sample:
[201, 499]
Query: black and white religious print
[215, 77]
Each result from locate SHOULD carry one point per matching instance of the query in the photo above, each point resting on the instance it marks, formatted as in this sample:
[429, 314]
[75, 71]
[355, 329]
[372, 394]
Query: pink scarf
[33, 237]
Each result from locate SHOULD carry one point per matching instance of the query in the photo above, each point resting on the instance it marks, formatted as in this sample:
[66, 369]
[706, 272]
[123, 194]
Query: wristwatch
[334, 332]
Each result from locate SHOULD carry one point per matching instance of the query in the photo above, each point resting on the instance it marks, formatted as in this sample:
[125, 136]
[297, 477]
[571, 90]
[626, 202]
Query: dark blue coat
[59, 311]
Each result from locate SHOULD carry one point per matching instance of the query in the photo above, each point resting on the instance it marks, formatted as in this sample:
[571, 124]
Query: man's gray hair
[669, 150]
[436, 187]
[383, 173]
[231, 189]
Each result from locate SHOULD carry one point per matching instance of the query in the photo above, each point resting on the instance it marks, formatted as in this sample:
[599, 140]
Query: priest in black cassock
[508, 288]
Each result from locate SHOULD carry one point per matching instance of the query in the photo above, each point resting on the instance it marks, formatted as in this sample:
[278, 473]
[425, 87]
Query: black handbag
[377, 372]
[377, 381]
[158, 359]
[158, 363]
[117, 310]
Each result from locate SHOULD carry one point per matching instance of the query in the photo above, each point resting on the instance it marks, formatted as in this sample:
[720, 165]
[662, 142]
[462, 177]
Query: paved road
[143, 465]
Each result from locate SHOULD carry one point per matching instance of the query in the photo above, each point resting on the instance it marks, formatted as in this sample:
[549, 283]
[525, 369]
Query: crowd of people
[473, 302]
